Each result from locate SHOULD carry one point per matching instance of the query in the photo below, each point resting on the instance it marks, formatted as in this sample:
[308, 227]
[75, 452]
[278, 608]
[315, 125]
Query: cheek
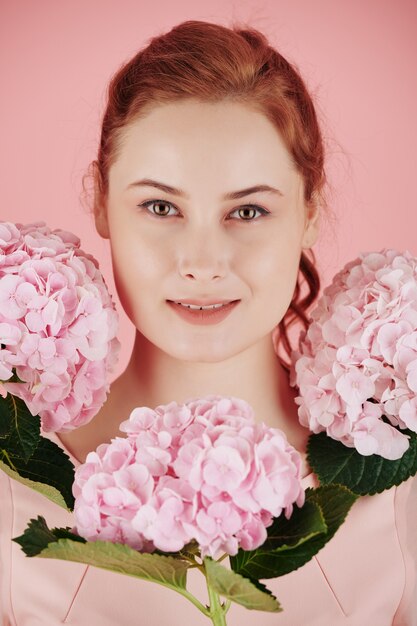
[276, 264]
[273, 276]
[136, 269]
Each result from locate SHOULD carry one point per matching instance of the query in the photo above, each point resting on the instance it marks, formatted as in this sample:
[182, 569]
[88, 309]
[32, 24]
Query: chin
[209, 354]
[200, 357]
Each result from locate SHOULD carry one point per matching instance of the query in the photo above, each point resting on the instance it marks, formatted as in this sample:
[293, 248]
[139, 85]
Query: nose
[203, 255]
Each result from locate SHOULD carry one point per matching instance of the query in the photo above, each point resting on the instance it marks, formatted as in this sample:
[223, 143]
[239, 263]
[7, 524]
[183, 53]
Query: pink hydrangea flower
[58, 325]
[356, 365]
[203, 470]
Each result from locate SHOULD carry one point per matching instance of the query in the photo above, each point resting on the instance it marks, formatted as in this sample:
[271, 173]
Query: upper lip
[203, 301]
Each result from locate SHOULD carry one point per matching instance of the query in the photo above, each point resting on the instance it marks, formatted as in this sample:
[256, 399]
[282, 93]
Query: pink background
[358, 59]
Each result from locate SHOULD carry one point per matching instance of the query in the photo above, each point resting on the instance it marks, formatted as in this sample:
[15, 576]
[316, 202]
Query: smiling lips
[195, 314]
[198, 306]
[203, 302]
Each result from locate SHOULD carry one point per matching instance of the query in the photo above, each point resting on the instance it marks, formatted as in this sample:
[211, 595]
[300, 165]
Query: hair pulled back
[213, 63]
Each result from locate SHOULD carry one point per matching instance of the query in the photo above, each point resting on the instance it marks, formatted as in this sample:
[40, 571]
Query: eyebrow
[231, 195]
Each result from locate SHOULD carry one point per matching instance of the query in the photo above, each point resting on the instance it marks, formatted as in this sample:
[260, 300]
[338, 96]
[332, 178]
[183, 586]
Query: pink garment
[365, 576]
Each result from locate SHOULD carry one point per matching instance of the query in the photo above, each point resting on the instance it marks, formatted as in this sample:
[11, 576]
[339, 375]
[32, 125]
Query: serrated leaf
[279, 555]
[284, 537]
[19, 429]
[37, 536]
[49, 471]
[46, 490]
[304, 523]
[239, 589]
[59, 543]
[333, 462]
[335, 502]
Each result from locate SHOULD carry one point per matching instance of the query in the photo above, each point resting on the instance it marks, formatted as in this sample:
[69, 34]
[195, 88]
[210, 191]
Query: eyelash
[246, 206]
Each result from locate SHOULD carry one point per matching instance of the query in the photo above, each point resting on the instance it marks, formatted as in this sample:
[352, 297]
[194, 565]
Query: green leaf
[335, 502]
[49, 471]
[304, 523]
[283, 547]
[37, 536]
[333, 462]
[59, 543]
[287, 549]
[229, 584]
[46, 490]
[6, 423]
[18, 427]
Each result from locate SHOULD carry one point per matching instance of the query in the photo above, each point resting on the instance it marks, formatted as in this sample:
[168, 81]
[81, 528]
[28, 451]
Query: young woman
[210, 185]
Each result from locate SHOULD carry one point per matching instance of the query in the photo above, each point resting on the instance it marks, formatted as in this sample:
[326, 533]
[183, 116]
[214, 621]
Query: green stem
[222, 557]
[227, 605]
[196, 602]
[217, 613]
[184, 592]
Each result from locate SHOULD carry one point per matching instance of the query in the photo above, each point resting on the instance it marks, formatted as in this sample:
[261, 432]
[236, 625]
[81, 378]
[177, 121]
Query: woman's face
[196, 243]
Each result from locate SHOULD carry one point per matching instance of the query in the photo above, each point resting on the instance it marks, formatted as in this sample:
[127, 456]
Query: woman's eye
[246, 212]
[157, 203]
[249, 210]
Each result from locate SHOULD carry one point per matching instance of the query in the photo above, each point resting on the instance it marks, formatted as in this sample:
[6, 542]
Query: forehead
[192, 126]
[205, 148]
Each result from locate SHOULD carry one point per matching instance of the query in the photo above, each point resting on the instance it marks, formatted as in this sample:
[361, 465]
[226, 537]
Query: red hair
[212, 63]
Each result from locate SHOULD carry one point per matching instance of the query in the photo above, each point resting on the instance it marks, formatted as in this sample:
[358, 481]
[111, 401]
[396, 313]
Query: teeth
[197, 306]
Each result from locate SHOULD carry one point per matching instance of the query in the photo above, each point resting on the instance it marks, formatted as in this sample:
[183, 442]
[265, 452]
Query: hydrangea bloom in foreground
[356, 366]
[58, 325]
[203, 470]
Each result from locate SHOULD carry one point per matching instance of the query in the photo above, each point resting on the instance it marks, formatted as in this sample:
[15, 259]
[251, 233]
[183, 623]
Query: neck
[256, 375]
